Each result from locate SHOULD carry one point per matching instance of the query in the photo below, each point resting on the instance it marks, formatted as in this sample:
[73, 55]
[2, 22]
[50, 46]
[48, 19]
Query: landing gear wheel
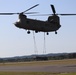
[28, 32]
[47, 33]
[36, 31]
[55, 32]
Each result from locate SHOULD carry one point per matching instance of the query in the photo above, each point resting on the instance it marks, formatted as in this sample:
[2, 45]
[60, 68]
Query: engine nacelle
[54, 19]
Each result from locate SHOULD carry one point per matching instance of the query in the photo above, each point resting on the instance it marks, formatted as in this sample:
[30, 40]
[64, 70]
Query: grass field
[34, 73]
[41, 63]
[51, 62]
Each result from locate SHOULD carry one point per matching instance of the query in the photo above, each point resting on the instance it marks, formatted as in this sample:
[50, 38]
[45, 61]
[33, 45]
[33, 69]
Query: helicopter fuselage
[38, 25]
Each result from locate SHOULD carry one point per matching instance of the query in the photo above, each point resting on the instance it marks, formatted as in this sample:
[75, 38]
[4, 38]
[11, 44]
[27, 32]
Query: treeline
[63, 56]
[39, 57]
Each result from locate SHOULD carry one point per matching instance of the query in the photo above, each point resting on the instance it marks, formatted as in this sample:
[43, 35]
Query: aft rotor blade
[53, 9]
[31, 8]
[53, 14]
[67, 14]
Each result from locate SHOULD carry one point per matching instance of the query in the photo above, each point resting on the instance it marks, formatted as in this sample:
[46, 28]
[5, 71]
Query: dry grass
[41, 63]
[35, 63]
[34, 73]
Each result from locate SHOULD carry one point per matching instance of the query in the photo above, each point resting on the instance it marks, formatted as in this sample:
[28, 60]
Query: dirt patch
[45, 68]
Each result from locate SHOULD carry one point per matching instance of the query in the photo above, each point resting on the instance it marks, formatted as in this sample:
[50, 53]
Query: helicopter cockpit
[22, 19]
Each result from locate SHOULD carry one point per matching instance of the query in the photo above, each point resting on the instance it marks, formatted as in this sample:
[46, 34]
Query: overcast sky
[16, 42]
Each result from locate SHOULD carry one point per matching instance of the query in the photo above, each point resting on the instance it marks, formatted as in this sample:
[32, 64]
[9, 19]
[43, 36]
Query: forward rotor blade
[31, 8]
[31, 12]
[21, 12]
[53, 9]
[8, 13]
[17, 13]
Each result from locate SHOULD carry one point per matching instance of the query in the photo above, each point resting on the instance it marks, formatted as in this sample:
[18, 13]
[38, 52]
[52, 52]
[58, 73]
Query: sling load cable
[35, 46]
[44, 46]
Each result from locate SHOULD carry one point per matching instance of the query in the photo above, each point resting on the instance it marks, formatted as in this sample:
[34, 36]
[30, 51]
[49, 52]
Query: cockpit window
[18, 20]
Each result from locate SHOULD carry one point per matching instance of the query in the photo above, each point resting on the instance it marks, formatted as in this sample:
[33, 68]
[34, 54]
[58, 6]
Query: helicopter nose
[16, 24]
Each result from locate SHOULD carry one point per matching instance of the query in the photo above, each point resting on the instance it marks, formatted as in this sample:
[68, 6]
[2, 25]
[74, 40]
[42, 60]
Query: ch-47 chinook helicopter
[51, 25]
